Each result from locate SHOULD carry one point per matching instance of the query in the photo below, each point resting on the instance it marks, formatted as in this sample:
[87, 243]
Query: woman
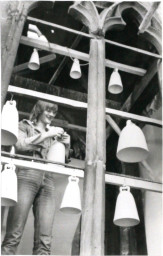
[35, 187]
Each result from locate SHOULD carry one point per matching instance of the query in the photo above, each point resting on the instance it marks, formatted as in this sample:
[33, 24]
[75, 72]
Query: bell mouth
[115, 89]
[8, 138]
[7, 202]
[132, 154]
[70, 210]
[33, 66]
[126, 222]
[75, 75]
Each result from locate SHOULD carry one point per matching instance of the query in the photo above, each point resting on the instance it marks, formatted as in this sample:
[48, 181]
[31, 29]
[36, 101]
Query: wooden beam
[113, 124]
[47, 97]
[59, 122]
[44, 59]
[81, 105]
[9, 49]
[90, 36]
[142, 85]
[79, 55]
[23, 82]
[110, 178]
[146, 22]
[134, 117]
[58, 26]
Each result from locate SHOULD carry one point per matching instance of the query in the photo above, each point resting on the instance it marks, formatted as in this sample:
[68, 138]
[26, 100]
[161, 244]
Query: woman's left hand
[65, 138]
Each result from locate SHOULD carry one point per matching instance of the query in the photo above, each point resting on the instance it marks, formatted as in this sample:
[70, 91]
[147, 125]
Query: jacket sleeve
[21, 145]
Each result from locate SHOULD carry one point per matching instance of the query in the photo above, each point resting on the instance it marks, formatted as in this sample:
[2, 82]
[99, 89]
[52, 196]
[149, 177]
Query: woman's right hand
[55, 131]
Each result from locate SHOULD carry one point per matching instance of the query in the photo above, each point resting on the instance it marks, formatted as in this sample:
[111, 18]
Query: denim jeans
[34, 188]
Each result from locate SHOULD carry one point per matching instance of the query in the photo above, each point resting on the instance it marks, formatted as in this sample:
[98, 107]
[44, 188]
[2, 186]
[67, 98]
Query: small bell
[9, 185]
[126, 214]
[132, 146]
[43, 38]
[9, 120]
[115, 83]
[34, 62]
[71, 202]
[32, 35]
[75, 72]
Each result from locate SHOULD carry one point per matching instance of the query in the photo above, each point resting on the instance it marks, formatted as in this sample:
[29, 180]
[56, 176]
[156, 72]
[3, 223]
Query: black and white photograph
[81, 128]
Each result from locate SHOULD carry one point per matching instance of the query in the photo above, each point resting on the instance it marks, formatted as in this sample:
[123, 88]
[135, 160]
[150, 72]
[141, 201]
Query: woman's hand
[65, 138]
[54, 131]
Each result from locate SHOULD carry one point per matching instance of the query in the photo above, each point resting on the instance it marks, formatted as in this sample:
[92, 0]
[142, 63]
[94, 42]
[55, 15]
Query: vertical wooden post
[12, 43]
[92, 229]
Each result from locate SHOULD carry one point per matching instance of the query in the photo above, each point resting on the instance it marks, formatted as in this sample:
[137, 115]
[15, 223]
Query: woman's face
[47, 116]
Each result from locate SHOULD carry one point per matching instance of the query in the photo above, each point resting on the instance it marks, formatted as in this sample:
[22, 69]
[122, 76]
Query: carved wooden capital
[111, 18]
[98, 24]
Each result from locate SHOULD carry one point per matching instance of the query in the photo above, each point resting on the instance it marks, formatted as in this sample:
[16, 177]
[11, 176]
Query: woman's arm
[26, 143]
[52, 132]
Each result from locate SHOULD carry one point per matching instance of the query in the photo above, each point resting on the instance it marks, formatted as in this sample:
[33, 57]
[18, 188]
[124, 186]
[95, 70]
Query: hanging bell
[132, 146]
[126, 214]
[43, 38]
[8, 186]
[75, 72]
[34, 62]
[9, 120]
[71, 202]
[115, 83]
[33, 35]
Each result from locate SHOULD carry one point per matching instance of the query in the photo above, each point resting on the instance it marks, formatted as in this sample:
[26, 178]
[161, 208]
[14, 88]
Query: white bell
[75, 72]
[115, 83]
[32, 35]
[126, 214]
[56, 152]
[71, 202]
[132, 146]
[43, 38]
[9, 120]
[8, 186]
[34, 62]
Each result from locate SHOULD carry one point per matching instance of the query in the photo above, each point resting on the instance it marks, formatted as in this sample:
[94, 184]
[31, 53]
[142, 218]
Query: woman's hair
[39, 108]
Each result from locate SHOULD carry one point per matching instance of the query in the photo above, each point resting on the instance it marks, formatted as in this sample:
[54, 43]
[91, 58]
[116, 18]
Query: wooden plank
[141, 86]
[138, 183]
[113, 124]
[23, 82]
[60, 123]
[44, 59]
[9, 50]
[48, 97]
[134, 117]
[134, 49]
[146, 22]
[90, 36]
[59, 27]
[82, 105]
[50, 47]
[110, 178]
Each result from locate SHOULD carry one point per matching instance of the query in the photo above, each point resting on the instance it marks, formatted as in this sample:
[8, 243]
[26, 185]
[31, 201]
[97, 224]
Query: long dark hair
[38, 109]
